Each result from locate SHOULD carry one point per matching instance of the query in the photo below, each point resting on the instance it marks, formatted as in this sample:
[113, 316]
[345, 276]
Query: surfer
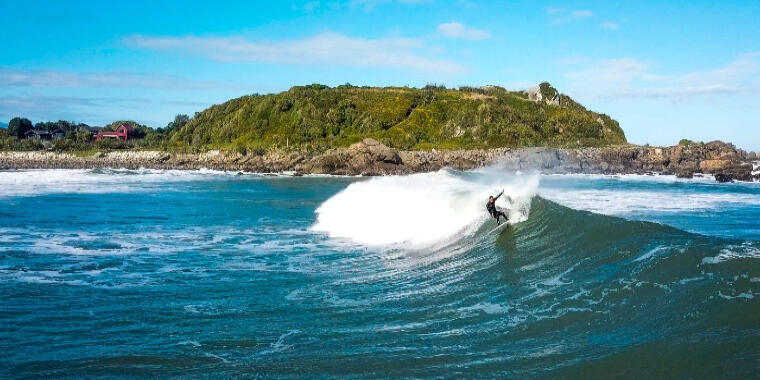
[491, 207]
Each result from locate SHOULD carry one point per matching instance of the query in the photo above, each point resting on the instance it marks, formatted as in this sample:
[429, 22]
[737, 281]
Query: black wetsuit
[491, 207]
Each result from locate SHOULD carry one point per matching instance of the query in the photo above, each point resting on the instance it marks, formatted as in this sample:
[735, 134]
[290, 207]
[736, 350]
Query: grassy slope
[317, 117]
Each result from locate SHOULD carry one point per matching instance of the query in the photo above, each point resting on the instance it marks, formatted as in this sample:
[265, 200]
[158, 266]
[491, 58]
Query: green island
[317, 117]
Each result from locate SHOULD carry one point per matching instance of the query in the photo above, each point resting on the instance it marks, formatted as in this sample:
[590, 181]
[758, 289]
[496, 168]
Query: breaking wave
[422, 209]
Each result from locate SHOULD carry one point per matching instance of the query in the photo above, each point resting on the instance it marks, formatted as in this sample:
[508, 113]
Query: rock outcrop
[370, 157]
[367, 157]
[543, 92]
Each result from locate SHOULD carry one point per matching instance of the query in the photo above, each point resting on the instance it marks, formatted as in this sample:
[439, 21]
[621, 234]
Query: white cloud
[50, 78]
[559, 15]
[461, 31]
[627, 78]
[609, 25]
[618, 70]
[326, 48]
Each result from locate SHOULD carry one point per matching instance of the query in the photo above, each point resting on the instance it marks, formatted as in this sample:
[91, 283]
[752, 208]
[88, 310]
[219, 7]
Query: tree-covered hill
[318, 117]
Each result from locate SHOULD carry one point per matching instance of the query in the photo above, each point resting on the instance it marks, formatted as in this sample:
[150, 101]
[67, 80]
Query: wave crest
[422, 209]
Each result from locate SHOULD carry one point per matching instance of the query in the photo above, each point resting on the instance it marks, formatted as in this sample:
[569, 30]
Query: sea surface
[156, 274]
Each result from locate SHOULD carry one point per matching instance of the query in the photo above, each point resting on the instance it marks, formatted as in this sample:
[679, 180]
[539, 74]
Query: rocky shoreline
[369, 157]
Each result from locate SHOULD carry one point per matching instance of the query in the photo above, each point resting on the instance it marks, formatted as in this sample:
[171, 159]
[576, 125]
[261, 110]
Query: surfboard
[499, 227]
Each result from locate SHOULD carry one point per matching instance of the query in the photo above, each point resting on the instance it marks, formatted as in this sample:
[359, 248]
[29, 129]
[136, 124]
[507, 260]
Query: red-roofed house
[122, 133]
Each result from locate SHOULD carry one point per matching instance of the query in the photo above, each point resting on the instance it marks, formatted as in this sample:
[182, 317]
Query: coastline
[370, 158]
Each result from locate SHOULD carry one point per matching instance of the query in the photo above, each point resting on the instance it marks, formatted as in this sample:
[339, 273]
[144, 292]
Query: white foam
[744, 251]
[189, 343]
[621, 201]
[569, 190]
[652, 253]
[280, 345]
[117, 243]
[744, 295]
[39, 182]
[97, 181]
[210, 355]
[420, 209]
[558, 279]
[487, 307]
[657, 178]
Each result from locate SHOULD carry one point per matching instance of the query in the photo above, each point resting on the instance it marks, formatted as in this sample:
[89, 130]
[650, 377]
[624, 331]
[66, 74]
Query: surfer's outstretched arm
[497, 197]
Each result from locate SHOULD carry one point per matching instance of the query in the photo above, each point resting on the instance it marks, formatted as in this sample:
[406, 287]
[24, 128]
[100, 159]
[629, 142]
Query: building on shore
[122, 132]
[39, 134]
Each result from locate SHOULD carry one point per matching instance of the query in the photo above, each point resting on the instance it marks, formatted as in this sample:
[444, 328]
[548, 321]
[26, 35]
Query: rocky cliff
[370, 157]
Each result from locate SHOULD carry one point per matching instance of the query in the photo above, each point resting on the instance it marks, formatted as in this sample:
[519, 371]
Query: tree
[56, 126]
[179, 122]
[18, 126]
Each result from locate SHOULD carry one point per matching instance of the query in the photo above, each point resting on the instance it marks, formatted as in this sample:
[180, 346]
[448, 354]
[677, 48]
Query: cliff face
[370, 157]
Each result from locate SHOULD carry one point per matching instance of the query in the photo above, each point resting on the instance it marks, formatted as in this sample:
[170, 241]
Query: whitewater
[158, 273]
[421, 209]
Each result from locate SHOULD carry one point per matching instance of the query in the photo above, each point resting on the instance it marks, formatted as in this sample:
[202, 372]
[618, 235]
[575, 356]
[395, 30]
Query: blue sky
[665, 71]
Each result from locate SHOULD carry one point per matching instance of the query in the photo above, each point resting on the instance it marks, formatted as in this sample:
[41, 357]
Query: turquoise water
[118, 273]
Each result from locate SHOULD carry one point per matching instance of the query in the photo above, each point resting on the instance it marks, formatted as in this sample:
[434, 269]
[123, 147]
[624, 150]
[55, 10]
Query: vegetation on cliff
[318, 117]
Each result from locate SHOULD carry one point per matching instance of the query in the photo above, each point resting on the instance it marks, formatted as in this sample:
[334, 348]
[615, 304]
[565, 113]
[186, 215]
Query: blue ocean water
[122, 273]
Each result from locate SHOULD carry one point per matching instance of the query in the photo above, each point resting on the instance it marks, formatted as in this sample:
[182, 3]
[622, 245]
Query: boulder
[727, 170]
[684, 168]
[372, 150]
[463, 163]
[329, 162]
[368, 157]
[714, 166]
[684, 174]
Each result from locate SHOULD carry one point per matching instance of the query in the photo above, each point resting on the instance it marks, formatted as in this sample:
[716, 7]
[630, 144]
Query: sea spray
[422, 209]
